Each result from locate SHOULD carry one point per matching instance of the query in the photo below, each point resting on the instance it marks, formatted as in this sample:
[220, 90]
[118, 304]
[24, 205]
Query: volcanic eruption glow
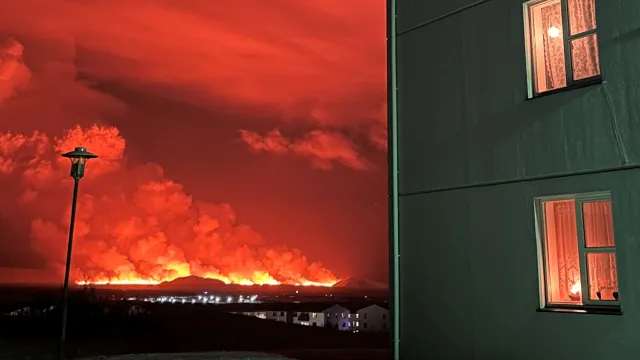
[134, 226]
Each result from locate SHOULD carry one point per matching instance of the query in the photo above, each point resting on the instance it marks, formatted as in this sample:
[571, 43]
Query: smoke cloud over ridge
[133, 225]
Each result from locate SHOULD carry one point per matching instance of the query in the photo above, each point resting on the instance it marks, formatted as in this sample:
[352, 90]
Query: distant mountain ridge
[360, 283]
[193, 282]
[196, 282]
[11, 276]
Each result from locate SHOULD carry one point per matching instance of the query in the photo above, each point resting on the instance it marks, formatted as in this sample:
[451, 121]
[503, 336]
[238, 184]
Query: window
[365, 316]
[562, 44]
[578, 251]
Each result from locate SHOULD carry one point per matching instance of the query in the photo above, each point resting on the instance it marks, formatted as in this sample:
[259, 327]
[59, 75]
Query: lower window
[578, 251]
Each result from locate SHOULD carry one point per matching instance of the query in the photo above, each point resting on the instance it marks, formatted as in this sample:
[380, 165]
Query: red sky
[274, 107]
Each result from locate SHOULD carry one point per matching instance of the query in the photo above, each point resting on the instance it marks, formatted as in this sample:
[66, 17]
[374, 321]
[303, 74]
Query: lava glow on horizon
[227, 280]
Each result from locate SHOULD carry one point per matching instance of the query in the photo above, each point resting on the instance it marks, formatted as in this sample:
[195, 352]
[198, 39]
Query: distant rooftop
[299, 307]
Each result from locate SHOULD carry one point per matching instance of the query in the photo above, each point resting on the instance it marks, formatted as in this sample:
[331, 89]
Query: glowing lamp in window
[553, 32]
[574, 292]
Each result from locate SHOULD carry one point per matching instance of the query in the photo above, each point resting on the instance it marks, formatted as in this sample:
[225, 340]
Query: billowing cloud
[315, 64]
[316, 61]
[142, 227]
[378, 131]
[323, 148]
[134, 225]
[14, 74]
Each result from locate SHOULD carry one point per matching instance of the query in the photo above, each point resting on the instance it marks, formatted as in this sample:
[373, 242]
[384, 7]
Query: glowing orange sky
[282, 103]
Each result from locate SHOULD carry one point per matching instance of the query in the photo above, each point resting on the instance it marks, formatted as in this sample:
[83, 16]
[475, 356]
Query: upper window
[578, 251]
[562, 44]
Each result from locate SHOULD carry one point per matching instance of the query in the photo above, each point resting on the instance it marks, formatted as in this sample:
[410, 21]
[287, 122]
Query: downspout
[392, 153]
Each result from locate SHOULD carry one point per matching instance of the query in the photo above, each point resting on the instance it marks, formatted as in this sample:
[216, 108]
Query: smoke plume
[14, 74]
[319, 62]
[134, 225]
[323, 148]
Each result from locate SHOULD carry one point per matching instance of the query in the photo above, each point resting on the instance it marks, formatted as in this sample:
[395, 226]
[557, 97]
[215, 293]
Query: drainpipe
[392, 153]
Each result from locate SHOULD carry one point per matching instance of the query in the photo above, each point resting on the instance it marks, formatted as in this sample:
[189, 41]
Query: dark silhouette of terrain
[101, 327]
[360, 283]
[194, 283]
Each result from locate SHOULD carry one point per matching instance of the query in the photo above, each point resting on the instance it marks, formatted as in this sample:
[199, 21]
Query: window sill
[584, 310]
[577, 85]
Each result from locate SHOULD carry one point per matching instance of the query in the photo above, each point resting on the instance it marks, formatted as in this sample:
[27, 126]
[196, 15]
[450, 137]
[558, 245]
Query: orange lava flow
[259, 278]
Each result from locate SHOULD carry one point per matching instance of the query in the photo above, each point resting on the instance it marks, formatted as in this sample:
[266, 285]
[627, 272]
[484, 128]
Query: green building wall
[473, 154]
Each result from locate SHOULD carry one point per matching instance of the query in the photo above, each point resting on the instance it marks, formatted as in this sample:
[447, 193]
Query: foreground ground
[94, 334]
[351, 354]
[23, 350]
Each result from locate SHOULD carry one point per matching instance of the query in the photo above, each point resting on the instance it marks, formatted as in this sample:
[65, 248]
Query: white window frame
[568, 58]
[540, 222]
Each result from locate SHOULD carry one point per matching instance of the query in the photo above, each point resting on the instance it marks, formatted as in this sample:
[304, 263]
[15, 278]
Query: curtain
[584, 51]
[598, 233]
[563, 265]
[584, 57]
[598, 224]
[582, 15]
[553, 46]
[603, 275]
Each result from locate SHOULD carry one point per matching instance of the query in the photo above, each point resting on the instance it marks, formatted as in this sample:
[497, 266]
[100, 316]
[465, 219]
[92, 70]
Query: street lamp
[79, 158]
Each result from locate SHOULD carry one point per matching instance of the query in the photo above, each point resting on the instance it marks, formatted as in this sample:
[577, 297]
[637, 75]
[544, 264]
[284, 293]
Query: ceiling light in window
[553, 32]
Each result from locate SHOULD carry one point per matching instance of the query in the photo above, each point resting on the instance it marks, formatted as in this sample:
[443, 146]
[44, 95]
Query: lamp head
[79, 158]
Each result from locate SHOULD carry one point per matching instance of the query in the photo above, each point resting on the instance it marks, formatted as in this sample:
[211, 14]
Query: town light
[79, 158]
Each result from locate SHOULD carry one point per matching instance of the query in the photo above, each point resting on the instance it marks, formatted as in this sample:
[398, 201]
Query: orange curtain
[598, 224]
[563, 266]
[553, 47]
[598, 233]
[584, 51]
[582, 15]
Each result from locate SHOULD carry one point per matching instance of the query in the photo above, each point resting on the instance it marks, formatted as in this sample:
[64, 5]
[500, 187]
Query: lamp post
[79, 158]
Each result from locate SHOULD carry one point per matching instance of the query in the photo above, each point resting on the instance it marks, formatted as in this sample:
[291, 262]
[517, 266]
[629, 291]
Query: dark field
[106, 328]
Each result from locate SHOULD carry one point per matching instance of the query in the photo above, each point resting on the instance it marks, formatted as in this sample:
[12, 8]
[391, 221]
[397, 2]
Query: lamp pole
[79, 158]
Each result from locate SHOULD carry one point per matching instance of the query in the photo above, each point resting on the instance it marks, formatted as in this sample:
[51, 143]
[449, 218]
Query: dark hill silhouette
[360, 284]
[193, 283]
